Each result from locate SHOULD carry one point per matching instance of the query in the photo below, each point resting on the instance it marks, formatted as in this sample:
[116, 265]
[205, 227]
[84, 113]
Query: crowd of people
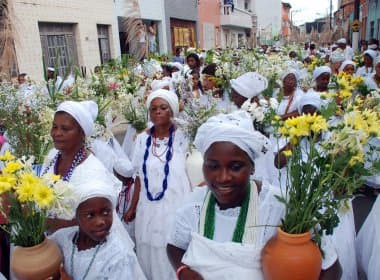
[140, 216]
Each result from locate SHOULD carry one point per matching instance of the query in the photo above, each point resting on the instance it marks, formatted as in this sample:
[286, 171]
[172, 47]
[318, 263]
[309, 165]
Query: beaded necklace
[168, 157]
[79, 157]
[209, 225]
[75, 242]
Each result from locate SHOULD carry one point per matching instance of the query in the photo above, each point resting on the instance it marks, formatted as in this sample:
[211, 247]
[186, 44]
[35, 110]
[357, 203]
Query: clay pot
[37, 262]
[291, 256]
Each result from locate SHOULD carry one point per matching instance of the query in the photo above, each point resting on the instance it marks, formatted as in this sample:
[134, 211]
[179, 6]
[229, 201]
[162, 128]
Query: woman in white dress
[98, 248]
[368, 68]
[373, 81]
[230, 208]
[287, 107]
[73, 122]
[160, 186]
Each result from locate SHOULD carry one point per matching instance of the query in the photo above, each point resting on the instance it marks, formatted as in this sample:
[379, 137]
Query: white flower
[263, 102]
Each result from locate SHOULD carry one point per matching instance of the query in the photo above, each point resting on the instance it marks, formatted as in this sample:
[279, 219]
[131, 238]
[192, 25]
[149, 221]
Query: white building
[236, 25]
[268, 19]
[150, 11]
[81, 33]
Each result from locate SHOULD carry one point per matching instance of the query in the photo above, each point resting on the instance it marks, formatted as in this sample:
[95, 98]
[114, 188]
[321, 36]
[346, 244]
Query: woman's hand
[189, 274]
[130, 215]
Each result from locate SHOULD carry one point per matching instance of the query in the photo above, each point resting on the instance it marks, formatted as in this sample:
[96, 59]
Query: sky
[308, 10]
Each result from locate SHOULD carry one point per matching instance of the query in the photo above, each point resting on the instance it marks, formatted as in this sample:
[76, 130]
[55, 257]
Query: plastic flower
[44, 196]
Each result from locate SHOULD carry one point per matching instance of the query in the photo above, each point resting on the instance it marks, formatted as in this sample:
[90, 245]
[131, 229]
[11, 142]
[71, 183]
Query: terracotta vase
[37, 262]
[291, 256]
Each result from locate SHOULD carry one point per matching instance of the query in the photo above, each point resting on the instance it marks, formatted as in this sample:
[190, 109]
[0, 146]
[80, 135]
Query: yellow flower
[55, 178]
[7, 182]
[25, 192]
[287, 153]
[29, 178]
[12, 167]
[7, 156]
[44, 196]
[356, 159]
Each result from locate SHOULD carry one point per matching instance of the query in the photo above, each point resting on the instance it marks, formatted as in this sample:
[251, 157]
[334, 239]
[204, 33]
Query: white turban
[168, 96]
[371, 53]
[290, 71]
[236, 128]
[342, 41]
[337, 56]
[94, 187]
[372, 47]
[310, 98]
[249, 84]
[159, 84]
[51, 69]
[123, 167]
[345, 63]
[84, 113]
[177, 65]
[320, 70]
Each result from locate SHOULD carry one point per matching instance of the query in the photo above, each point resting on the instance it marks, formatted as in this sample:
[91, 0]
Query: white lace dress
[114, 260]
[154, 219]
[270, 214]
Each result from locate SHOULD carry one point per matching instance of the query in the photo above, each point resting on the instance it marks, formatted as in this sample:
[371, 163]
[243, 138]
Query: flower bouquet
[262, 112]
[325, 165]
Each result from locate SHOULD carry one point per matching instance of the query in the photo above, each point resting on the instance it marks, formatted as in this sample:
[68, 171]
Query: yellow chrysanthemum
[29, 178]
[7, 156]
[356, 159]
[25, 192]
[7, 182]
[44, 196]
[287, 153]
[12, 167]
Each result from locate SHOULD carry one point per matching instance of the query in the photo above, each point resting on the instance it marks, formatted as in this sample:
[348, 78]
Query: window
[378, 30]
[246, 5]
[104, 43]
[372, 29]
[58, 46]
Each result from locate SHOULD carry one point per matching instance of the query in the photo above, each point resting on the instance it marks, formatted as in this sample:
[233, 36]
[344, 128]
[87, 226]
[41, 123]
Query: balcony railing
[235, 17]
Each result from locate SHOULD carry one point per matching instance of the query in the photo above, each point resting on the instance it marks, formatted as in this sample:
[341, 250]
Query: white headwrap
[320, 70]
[168, 96]
[249, 84]
[373, 47]
[159, 84]
[371, 53]
[123, 167]
[337, 56]
[177, 65]
[310, 98]
[94, 187]
[51, 69]
[290, 71]
[342, 41]
[376, 61]
[84, 113]
[236, 128]
[345, 63]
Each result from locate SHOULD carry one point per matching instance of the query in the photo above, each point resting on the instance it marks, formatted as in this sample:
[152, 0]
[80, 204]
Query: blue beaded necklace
[168, 157]
[79, 157]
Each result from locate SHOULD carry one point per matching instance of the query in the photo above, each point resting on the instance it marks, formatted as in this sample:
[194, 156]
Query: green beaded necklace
[209, 226]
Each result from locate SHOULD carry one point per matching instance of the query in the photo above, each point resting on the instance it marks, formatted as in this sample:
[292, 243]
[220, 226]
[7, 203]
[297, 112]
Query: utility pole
[355, 33]
[330, 15]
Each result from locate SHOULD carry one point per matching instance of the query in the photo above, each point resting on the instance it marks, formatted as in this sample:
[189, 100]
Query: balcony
[237, 18]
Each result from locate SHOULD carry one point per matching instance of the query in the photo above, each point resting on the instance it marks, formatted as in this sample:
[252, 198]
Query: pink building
[209, 24]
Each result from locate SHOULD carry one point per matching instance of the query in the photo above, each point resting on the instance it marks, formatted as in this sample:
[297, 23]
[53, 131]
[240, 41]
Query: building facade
[62, 34]
[209, 29]
[181, 18]
[286, 24]
[236, 23]
[268, 19]
[373, 21]
[152, 13]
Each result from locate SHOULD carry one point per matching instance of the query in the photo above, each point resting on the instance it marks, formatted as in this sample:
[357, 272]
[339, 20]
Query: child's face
[95, 218]
[227, 170]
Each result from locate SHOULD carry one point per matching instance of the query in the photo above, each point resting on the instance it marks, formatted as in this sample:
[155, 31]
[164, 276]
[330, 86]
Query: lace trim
[231, 212]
